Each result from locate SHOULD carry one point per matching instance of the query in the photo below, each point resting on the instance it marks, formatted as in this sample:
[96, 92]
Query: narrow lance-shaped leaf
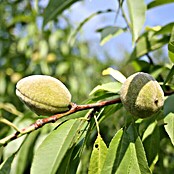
[169, 127]
[54, 8]
[151, 139]
[148, 42]
[171, 46]
[73, 35]
[126, 154]
[156, 3]
[5, 167]
[50, 153]
[137, 10]
[98, 156]
[109, 32]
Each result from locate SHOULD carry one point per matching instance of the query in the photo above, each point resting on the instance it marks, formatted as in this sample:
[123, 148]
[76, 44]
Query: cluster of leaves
[107, 140]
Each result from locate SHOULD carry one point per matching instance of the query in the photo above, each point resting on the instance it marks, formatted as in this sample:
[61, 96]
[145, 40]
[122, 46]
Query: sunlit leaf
[148, 42]
[50, 153]
[126, 154]
[54, 8]
[109, 32]
[169, 127]
[137, 10]
[117, 75]
[171, 46]
[112, 154]
[113, 87]
[170, 75]
[98, 156]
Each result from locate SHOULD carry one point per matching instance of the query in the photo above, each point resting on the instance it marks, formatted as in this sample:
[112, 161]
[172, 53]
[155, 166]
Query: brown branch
[41, 122]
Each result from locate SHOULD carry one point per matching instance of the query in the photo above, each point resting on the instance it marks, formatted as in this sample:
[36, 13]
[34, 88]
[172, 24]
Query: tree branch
[41, 122]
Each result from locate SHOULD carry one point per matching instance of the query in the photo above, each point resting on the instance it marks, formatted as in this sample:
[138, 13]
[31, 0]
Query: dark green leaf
[137, 10]
[151, 139]
[50, 153]
[5, 167]
[168, 105]
[98, 156]
[166, 29]
[70, 161]
[169, 127]
[55, 8]
[156, 3]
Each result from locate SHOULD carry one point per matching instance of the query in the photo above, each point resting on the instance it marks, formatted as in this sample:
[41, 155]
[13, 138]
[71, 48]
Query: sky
[115, 47]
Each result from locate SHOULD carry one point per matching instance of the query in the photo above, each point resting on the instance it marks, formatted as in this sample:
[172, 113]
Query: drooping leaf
[5, 167]
[73, 35]
[117, 75]
[113, 87]
[137, 10]
[126, 154]
[169, 127]
[168, 105]
[171, 46]
[26, 153]
[50, 153]
[148, 42]
[98, 156]
[166, 29]
[156, 3]
[70, 161]
[109, 32]
[54, 8]
[151, 139]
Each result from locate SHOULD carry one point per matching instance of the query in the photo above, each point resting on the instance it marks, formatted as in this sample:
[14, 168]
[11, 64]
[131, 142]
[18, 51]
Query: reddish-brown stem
[41, 122]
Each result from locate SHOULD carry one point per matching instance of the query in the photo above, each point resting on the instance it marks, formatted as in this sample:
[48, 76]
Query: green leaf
[98, 156]
[73, 35]
[50, 153]
[126, 154]
[137, 10]
[156, 3]
[169, 127]
[26, 153]
[117, 75]
[148, 42]
[113, 87]
[109, 32]
[168, 105]
[171, 46]
[54, 8]
[112, 154]
[5, 167]
[170, 75]
[151, 139]
[70, 161]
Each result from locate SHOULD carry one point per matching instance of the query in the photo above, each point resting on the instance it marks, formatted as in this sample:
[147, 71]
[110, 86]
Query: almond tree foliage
[40, 39]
